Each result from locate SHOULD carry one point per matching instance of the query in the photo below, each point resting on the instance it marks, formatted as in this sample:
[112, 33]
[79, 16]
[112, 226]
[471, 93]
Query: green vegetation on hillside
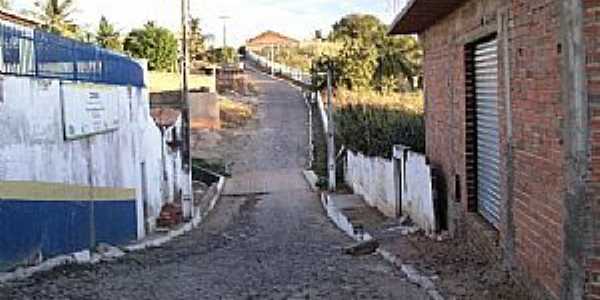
[302, 57]
[382, 121]
[369, 58]
[377, 104]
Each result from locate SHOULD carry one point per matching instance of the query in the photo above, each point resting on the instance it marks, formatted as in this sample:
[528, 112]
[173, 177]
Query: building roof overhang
[17, 18]
[418, 15]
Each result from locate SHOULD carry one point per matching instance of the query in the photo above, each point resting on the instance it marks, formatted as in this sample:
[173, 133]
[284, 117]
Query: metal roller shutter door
[488, 134]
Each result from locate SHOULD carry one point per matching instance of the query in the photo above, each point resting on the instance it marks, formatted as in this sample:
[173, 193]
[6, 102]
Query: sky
[247, 18]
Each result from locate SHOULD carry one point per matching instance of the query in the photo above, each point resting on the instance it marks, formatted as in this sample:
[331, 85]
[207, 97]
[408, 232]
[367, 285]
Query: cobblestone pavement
[267, 239]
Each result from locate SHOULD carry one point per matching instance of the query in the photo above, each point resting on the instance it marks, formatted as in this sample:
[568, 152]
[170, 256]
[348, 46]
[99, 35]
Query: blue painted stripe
[115, 221]
[59, 227]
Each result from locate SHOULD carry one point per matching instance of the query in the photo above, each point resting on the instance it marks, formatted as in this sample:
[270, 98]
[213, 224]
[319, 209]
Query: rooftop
[272, 34]
[19, 19]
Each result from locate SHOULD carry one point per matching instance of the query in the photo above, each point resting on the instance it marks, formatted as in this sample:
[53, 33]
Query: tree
[367, 28]
[356, 64]
[107, 36]
[371, 59]
[226, 55]
[55, 16]
[154, 43]
[400, 62]
[196, 40]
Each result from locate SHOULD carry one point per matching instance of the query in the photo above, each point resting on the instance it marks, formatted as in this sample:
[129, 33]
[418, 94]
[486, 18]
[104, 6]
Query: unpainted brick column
[577, 224]
[591, 33]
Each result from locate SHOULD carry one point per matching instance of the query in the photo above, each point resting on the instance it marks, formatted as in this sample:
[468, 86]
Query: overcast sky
[298, 19]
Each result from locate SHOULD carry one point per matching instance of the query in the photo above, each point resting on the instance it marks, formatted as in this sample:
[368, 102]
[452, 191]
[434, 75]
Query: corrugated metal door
[488, 135]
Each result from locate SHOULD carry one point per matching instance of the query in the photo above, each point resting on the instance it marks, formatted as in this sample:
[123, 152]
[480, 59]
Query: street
[268, 238]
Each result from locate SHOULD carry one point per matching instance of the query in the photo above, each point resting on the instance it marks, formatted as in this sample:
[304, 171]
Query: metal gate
[488, 135]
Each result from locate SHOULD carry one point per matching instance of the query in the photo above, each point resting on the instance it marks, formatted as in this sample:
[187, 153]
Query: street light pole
[224, 18]
[272, 60]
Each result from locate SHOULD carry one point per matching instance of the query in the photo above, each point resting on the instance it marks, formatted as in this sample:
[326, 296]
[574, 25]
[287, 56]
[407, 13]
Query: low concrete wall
[417, 192]
[205, 111]
[374, 179]
[405, 181]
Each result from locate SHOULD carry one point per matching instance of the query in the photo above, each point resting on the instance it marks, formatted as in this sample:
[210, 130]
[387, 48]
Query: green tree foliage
[107, 36]
[370, 58]
[355, 64]
[399, 63]
[228, 55]
[364, 27]
[156, 44]
[56, 16]
[196, 42]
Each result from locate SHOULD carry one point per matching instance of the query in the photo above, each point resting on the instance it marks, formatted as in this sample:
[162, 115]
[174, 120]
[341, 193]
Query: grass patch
[165, 81]
[319, 165]
[235, 114]
[390, 101]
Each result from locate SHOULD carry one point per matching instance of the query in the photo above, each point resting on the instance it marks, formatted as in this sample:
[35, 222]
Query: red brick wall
[537, 112]
[592, 43]
[539, 175]
[445, 88]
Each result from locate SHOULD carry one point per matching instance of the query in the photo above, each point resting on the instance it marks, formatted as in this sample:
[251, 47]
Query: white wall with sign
[89, 109]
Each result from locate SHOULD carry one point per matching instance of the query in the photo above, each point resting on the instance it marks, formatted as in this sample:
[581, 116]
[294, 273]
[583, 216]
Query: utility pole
[224, 18]
[273, 60]
[330, 131]
[185, 95]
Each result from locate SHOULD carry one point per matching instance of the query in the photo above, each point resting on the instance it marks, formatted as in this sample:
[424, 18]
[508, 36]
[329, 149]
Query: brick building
[270, 39]
[512, 93]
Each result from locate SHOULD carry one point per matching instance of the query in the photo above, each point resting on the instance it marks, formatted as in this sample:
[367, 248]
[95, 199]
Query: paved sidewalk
[449, 267]
[361, 222]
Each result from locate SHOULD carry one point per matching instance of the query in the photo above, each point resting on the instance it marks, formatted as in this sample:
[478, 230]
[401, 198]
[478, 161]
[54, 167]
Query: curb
[411, 273]
[159, 241]
[87, 257]
[311, 178]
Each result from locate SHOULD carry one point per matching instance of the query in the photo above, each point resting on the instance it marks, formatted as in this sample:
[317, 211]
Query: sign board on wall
[89, 109]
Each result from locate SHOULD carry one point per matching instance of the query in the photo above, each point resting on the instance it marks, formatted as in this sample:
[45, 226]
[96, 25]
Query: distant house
[512, 92]
[270, 39]
[18, 19]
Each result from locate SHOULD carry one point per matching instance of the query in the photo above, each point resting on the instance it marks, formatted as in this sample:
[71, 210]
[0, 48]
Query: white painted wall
[417, 194]
[381, 182]
[33, 145]
[374, 179]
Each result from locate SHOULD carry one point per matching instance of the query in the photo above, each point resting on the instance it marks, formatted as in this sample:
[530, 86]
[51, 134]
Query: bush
[373, 127]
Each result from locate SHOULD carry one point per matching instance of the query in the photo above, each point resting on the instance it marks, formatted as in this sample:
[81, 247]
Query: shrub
[373, 127]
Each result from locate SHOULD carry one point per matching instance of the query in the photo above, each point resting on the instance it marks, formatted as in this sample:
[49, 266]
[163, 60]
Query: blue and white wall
[59, 194]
